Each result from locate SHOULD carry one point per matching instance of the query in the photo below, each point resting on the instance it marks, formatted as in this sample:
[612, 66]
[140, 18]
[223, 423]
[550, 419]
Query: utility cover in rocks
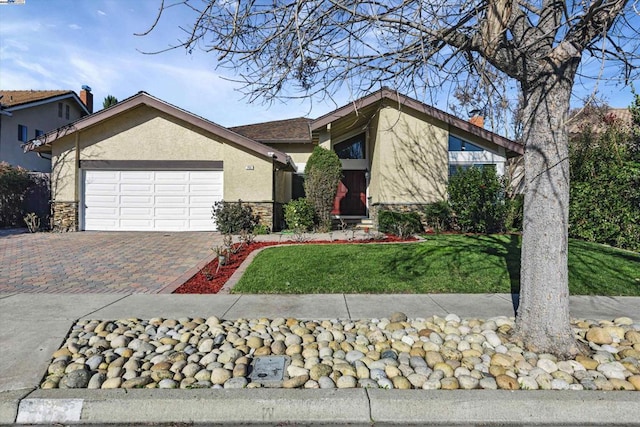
[269, 370]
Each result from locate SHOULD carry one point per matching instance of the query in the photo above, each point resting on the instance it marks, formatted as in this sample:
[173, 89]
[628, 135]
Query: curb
[359, 407]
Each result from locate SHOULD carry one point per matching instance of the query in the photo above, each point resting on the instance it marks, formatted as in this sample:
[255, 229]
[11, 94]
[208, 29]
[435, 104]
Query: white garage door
[150, 200]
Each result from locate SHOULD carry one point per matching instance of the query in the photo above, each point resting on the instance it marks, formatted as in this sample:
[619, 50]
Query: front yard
[441, 264]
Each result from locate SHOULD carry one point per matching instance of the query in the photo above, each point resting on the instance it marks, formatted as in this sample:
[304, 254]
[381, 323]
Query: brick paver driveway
[97, 262]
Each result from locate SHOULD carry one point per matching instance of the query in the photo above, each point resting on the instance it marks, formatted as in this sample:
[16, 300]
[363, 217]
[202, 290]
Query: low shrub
[476, 196]
[299, 214]
[439, 216]
[514, 213]
[261, 229]
[14, 185]
[234, 217]
[402, 224]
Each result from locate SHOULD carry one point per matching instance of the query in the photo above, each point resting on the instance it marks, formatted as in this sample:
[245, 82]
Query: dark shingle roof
[287, 131]
[12, 98]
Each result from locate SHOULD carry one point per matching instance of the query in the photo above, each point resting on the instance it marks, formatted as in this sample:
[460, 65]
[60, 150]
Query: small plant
[261, 229]
[231, 249]
[233, 217]
[33, 222]
[438, 216]
[402, 224]
[299, 214]
[221, 253]
[247, 237]
[300, 236]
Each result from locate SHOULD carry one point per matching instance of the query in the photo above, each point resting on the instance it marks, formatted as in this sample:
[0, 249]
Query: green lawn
[441, 264]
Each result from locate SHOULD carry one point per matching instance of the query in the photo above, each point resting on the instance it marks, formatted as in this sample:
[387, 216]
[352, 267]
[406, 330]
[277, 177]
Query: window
[22, 133]
[66, 112]
[60, 109]
[457, 144]
[39, 133]
[352, 148]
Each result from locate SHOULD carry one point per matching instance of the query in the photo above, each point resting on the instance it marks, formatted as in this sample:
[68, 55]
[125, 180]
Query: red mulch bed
[207, 281]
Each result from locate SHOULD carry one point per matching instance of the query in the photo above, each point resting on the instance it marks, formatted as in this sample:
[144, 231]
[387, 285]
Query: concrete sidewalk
[33, 326]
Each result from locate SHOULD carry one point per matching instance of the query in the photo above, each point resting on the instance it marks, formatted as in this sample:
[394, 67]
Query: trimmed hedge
[402, 224]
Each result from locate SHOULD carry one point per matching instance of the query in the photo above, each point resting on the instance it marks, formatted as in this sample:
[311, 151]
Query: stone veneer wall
[64, 216]
[270, 213]
[397, 207]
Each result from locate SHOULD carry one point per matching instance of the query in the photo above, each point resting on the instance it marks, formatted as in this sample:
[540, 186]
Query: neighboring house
[28, 114]
[147, 165]
[596, 119]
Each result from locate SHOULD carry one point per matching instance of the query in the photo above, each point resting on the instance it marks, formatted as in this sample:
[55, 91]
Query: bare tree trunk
[543, 315]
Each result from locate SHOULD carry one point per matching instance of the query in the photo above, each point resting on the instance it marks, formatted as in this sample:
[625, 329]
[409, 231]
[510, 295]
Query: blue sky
[64, 44]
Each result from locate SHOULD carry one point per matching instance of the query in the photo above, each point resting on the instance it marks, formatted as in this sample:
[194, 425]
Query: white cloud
[101, 13]
[75, 26]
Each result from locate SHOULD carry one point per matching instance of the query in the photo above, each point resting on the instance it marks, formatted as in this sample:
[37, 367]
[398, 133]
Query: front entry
[351, 198]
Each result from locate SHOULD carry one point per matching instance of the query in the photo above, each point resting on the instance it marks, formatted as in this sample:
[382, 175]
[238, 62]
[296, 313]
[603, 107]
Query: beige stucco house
[144, 164]
[27, 114]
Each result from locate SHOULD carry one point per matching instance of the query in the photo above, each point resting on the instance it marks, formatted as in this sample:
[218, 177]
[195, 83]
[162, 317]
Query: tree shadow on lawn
[491, 261]
[596, 268]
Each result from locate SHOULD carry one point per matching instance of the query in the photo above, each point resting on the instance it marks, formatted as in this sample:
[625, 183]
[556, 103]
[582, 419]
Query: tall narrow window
[60, 109]
[66, 113]
[22, 133]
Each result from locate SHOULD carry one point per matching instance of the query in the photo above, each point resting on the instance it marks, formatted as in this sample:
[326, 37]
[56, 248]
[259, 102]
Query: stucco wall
[42, 117]
[146, 134]
[410, 159]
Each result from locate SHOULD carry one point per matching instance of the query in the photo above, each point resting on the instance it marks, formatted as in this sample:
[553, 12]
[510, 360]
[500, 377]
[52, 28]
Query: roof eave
[143, 98]
[509, 145]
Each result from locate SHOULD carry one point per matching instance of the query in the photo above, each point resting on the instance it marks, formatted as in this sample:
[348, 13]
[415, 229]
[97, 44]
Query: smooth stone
[599, 335]
[318, 371]
[450, 383]
[547, 365]
[96, 380]
[417, 380]
[353, 355]
[505, 382]
[220, 375]
[401, 383]
[377, 374]
[326, 382]
[528, 383]
[488, 383]
[467, 382]
[432, 384]
[295, 381]
[111, 383]
[346, 381]
[78, 378]
[236, 383]
[167, 383]
[137, 382]
[635, 381]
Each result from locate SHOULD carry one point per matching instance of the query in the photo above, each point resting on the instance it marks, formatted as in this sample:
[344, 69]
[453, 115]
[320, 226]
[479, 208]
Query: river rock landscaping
[393, 353]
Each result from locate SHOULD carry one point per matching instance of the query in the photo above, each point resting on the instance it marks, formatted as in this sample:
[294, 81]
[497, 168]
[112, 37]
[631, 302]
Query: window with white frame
[464, 154]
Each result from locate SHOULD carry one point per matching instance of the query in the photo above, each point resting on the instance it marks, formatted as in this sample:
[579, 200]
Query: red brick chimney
[477, 120]
[87, 98]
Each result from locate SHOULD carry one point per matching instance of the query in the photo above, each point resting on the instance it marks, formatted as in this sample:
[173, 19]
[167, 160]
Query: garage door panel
[136, 200]
[172, 188]
[102, 200]
[137, 176]
[136, 188]
[151, 200]
[132, 212]
[172, 200]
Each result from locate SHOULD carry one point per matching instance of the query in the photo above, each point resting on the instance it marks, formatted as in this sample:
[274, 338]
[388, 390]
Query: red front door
[351, 198]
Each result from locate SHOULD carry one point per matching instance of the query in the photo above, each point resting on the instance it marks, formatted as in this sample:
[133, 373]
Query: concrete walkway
[34, 326]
